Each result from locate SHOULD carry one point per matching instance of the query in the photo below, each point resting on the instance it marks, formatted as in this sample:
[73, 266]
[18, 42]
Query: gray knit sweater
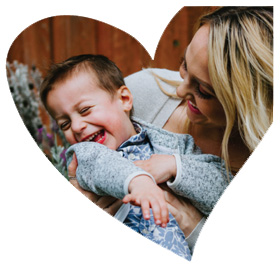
[200, 177]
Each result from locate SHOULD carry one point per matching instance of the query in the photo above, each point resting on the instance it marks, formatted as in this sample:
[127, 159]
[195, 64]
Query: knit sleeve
[200, 178]
[101, 170]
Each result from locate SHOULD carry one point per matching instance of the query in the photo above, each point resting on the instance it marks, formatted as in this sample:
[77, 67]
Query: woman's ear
[126, 98]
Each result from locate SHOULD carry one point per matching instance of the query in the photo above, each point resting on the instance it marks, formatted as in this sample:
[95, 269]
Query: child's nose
[78, 125]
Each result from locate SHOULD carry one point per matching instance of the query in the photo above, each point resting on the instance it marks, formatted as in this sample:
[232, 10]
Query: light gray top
[149, 102]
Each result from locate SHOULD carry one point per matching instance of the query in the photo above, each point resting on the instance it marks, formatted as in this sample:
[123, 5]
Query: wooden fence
[54, 39]
[57, 38]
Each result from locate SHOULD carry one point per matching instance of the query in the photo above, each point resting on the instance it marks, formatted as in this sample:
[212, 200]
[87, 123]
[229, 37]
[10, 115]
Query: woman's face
[203, 107]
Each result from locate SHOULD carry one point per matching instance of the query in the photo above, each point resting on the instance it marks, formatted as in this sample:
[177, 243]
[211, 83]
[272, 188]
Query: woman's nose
[184, 90]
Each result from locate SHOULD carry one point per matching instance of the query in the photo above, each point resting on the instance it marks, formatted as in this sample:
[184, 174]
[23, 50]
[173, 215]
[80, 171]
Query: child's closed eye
[85, 110]
[65, 125]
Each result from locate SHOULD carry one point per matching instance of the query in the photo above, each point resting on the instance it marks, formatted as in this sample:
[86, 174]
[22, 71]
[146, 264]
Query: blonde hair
[170, 82]
[241, 70]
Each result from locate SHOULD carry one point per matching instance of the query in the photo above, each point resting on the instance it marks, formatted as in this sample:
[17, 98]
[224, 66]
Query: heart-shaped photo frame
[60, 31]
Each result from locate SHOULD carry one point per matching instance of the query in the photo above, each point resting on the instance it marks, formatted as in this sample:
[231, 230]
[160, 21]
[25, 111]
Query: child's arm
[105, 172]
[145, 193]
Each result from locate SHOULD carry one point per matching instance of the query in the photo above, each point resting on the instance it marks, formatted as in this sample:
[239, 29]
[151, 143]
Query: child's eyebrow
[75, 107]
[59, 117]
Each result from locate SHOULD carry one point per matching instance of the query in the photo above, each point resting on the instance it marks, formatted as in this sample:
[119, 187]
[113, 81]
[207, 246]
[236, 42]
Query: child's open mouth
[98, 137]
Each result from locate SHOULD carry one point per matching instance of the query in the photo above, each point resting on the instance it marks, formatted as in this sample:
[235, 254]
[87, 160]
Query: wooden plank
[32, 46]
[57, 38]
[176, 37]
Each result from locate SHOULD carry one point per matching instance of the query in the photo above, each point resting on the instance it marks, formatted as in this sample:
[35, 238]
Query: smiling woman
[227, 86]
[227, 91]
[203, 107]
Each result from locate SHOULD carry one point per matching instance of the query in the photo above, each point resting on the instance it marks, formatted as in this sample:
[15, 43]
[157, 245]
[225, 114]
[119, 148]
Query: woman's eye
[202, 93]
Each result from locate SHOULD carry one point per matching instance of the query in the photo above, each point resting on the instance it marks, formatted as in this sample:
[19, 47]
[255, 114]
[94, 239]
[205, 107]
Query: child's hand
[145, 193]
[161, 167]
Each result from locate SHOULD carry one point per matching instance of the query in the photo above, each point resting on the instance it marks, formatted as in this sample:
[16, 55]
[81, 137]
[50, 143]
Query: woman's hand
[109, 204]
[161, 167]
[183, 211]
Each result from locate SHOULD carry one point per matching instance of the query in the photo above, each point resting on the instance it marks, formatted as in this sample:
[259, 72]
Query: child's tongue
[98, 137]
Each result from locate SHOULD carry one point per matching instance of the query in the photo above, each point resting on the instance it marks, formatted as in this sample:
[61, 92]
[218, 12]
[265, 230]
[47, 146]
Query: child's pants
[170, 237]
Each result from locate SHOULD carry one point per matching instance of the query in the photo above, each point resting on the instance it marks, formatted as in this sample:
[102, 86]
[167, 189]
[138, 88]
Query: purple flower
[55, 127]
[50, 140]
[40, 135]
[62, 155]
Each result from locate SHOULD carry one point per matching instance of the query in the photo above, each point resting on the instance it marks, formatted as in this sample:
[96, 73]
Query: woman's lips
[193, 108]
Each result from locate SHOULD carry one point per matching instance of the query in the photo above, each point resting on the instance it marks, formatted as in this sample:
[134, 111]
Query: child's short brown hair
[108, 74]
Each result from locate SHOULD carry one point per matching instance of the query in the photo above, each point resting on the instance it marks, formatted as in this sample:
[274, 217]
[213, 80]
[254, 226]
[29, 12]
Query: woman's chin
[194, 118]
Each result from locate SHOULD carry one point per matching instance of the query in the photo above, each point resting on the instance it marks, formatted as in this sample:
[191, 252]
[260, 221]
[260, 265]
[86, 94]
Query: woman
[227, 93]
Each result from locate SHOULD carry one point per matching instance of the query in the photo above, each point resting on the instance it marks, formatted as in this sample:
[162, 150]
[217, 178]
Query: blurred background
[55, 39]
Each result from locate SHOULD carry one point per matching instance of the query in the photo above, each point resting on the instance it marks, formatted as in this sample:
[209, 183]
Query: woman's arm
[104, 202]
[109, 204]
[189, 219]
[200, 178]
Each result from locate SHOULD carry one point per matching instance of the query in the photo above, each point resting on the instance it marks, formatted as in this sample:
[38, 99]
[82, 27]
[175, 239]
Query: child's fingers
[160, 212]
[164, 214]
[145, 206]
[127, 198]
[156, 211]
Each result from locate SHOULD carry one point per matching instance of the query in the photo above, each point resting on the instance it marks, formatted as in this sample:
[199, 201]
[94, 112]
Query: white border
[46, 224]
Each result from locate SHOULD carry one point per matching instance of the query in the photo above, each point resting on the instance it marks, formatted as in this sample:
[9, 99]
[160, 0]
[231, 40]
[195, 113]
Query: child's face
[85, 112]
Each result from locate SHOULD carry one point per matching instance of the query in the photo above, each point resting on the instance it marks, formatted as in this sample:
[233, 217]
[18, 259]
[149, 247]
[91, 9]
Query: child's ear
[126, 98]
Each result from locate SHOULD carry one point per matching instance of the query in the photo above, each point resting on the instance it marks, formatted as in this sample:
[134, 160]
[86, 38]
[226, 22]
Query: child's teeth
[92, 137]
